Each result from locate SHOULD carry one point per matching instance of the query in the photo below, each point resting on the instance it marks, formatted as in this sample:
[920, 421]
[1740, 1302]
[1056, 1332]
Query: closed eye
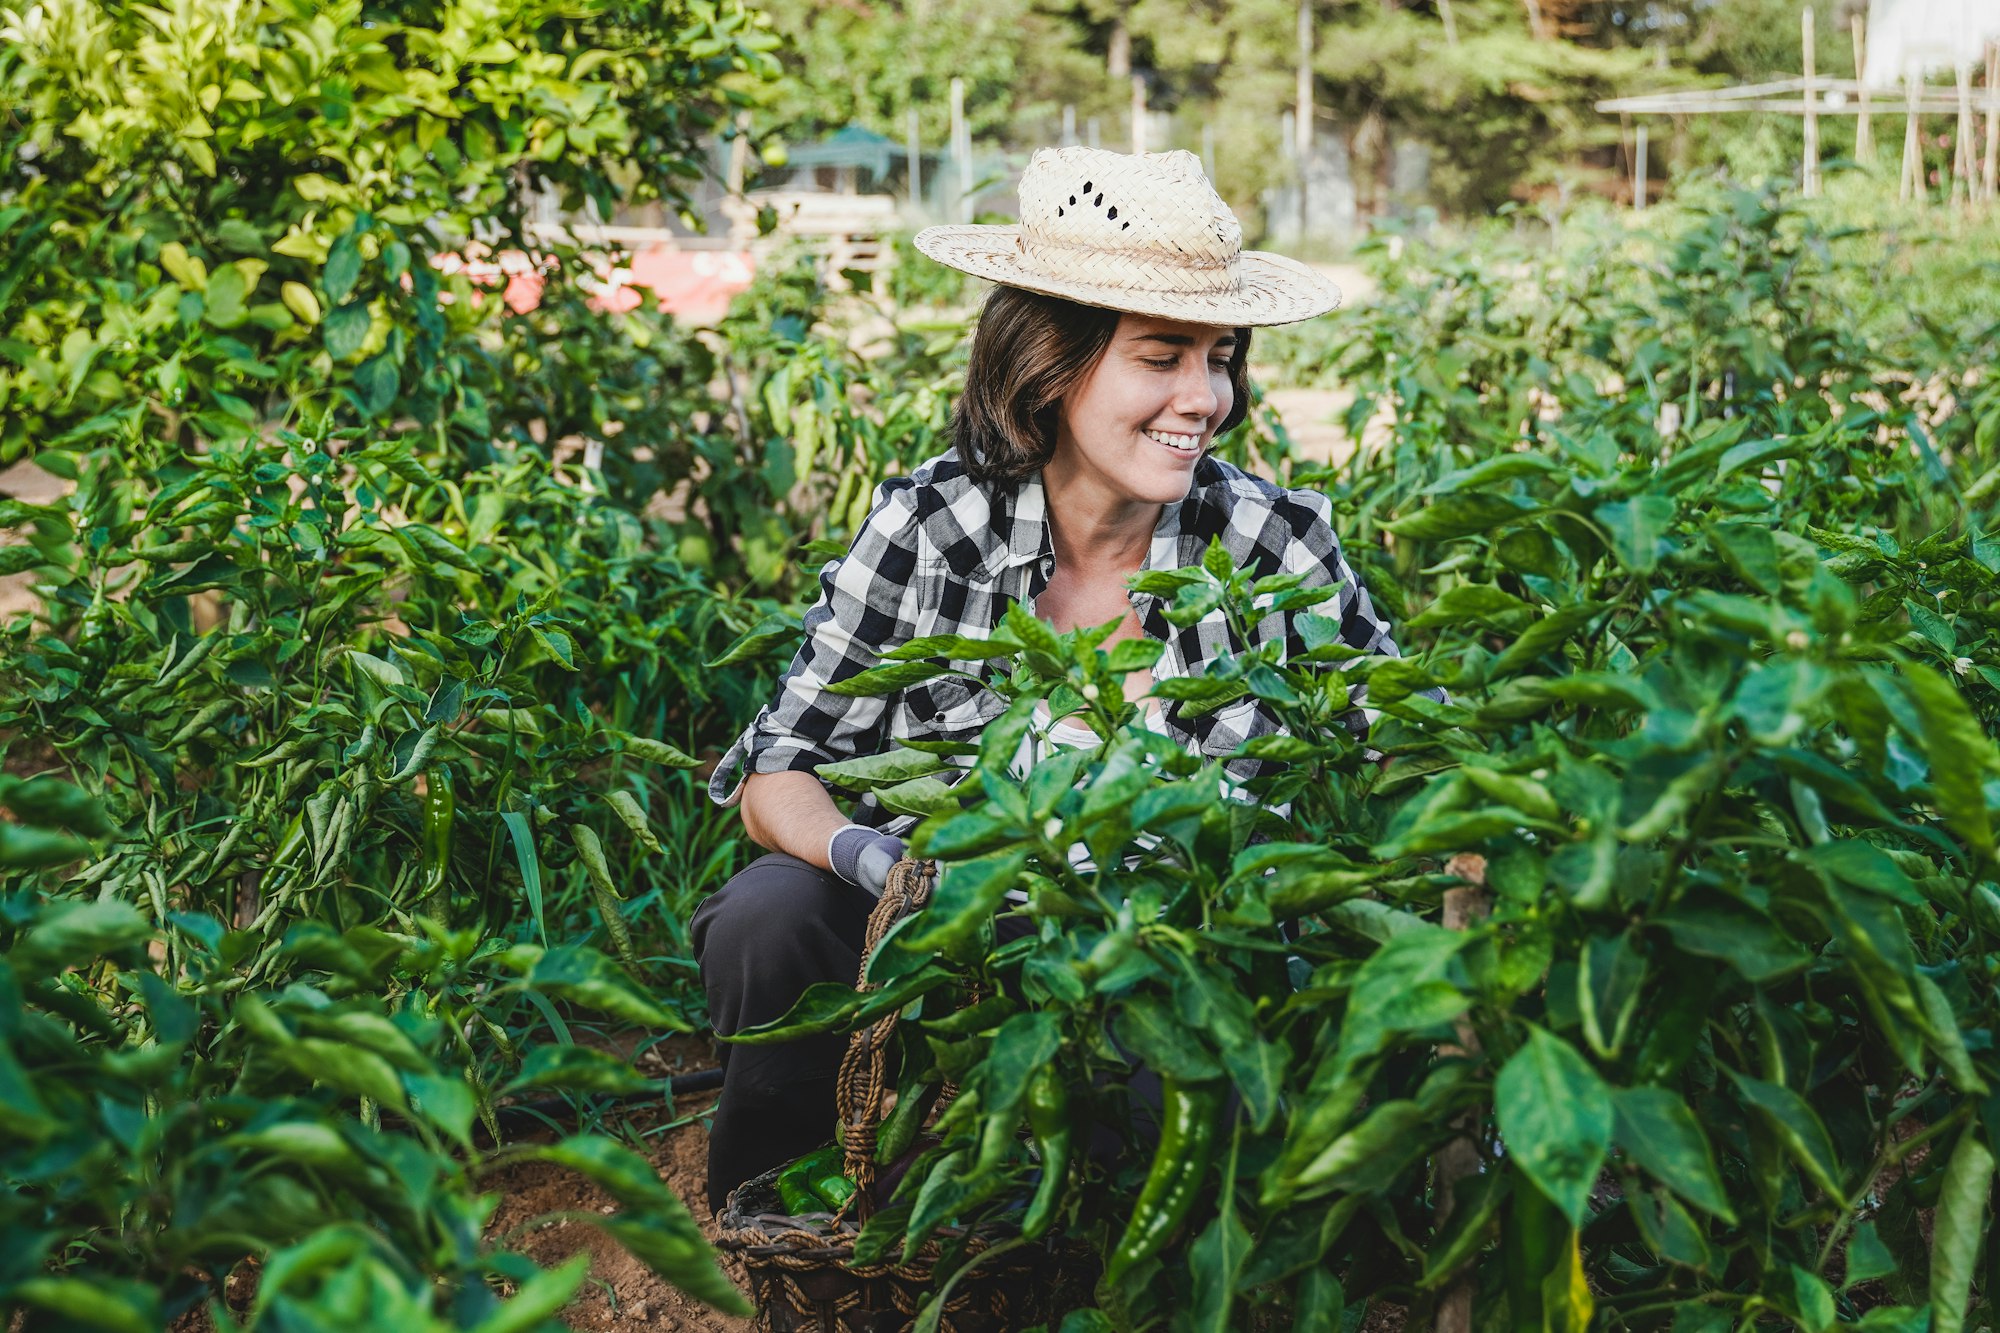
[1168, 363]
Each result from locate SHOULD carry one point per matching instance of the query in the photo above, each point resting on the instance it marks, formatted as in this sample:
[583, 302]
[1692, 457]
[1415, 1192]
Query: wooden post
[961, 148]
[1458, 1160]
[1811, 173]
[1069, 124]
[1991, 176]
[1536, 28]
[1639, 167]
[1864, 139]
[1962, 159]
[1208, 148]
[913, 147]
[1091, 134]
[1138, 114]
[1302, 118]
[1303, 126]
[1450, 23]
[739, 148]
[1913, 153]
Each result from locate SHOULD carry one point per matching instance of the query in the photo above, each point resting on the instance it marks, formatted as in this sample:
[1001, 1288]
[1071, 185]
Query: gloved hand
[864, 857]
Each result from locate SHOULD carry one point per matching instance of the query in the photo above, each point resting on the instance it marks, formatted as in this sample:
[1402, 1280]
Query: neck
[1090, 525]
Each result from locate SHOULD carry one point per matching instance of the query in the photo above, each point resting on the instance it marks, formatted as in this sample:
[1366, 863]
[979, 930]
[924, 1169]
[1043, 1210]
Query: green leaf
[768, 633]
[558, 644]
[1755, 453]
[1637, 527]
[653, 751]
[115, 1305]
[1959, 1232]
[1217, 1257]
[378, 378]
[345, 330]
[584, 976]
[1468, 603]
[1797, 1126]
[626, 806]
[522, 835]
[1548, 632]
[922, 797]
[1711, 926]
[70, 934]
[1556, 1117]
[953, 648]
[883, 770]
[577, 1069]
[967, 895]
[1867, 1257]
[1500, 468]
[1866, 866]
[1369, 1157]
[886, 679]
[1959, 752]
[1459, 515]
[834, 1006]
[430, 548]
[1655, 1128]
[343, 268]
[1811, 1300]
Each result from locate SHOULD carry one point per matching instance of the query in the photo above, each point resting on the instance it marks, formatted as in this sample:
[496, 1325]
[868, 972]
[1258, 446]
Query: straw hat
[1143, 233]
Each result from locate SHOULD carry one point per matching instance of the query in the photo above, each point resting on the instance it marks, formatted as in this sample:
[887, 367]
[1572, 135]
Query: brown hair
[1027, 353]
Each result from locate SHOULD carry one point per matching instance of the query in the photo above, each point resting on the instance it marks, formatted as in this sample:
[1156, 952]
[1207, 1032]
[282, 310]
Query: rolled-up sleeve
[869, 603]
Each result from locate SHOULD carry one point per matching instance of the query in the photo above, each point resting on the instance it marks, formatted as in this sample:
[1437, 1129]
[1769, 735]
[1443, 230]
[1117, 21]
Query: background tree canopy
[1504, 105]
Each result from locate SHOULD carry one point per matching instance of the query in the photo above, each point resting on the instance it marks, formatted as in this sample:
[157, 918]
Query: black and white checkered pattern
[941, 554]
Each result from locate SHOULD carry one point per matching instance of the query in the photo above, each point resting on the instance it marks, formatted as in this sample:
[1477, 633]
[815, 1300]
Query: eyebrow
[1182, 339]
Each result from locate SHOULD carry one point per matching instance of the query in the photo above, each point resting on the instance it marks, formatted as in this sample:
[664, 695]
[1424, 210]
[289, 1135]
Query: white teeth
[1186, 444]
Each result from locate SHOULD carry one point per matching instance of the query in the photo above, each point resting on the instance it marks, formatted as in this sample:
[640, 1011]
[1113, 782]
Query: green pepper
[796, 1182]
[834, 1190]
[440, 813]
[1179, 1170]
[1048, 1119]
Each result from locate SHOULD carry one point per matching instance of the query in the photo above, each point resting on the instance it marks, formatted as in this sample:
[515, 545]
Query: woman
[1104, 365]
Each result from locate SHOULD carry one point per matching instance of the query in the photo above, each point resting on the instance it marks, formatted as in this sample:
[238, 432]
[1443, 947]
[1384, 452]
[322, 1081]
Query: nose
[1194, 392]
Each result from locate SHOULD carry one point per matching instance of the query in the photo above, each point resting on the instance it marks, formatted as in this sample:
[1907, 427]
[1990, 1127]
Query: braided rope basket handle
[863, 1087]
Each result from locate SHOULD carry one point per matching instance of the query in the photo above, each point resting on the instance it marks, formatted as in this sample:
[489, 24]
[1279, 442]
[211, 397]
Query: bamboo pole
[1069, 124]
[1639, 168]
[1811, 172]
[1458, 1161]
[1303, 126]
[1864, 139]
[913, 147]
[1964, 174]
[1450, 23]
[1302, 121]
[1913, 157]
[1138, 114]
[961, 148]
[1991, 176]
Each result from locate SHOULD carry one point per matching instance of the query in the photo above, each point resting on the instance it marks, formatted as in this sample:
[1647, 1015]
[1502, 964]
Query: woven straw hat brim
[1275, 290]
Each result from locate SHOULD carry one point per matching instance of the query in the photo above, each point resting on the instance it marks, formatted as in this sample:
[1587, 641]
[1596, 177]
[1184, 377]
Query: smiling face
[1135, 425]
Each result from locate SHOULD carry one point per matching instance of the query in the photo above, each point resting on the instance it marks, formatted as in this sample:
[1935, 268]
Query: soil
[620, 1292]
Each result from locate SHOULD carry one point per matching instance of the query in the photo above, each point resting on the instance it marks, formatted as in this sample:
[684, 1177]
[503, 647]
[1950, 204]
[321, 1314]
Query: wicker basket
[801, 1269]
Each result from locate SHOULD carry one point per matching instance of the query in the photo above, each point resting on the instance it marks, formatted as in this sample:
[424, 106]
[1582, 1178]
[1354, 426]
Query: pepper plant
[1646, 984]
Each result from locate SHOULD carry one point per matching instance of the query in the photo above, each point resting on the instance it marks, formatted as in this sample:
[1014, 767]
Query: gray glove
[864, 857]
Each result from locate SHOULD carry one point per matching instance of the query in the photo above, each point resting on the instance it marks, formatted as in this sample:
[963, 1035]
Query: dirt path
[620, 1292]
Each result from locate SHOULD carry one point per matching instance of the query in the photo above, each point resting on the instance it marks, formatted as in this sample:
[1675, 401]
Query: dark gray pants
[774, 929]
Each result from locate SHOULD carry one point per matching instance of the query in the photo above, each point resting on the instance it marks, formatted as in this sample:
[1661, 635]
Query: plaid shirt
[943, 554]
